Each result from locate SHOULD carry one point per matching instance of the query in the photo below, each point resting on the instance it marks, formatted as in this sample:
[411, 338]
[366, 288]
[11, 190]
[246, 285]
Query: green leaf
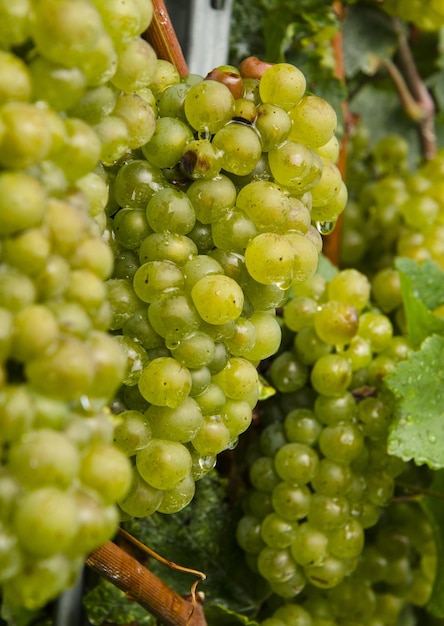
[434, 508]
[417, 430]
[326, 268]
[369, 39]
[106, 603]
[422, 289]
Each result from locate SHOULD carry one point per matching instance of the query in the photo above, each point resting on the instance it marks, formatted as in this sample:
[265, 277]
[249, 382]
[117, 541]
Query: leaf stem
[423, 491]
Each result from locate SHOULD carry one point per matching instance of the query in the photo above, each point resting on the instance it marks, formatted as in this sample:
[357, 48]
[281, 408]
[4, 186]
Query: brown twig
[332, 242]
[161, 35]
[418, 103]
[142, 586]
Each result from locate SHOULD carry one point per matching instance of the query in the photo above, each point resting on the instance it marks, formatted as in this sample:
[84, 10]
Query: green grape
[302, 426]
[269, 259]
[176, 424]
[16, 412]
[240, 147]
[273, 124]
[165, 75]
[218, 298]
[296, 463]
[309, 546]
[170, 210]
[244, 338]
[267, 337]
[213, 436]
[177, 498]
[332, 478]
[331, 375]
[341, 442]
[113, 134]
[81, 150]
[288, 374]
[248, 534]
[200, 160]
[163, 464]
[165, 382]
[347, 542]
[25, 343]
[263, 475]
[14, 22]
[299, 312]
[336, 322]
[309, 347]
[265, 203]
[211, 399]
[135, 182]
[233, 231]
[136, 65]
[43, 458]
[167, 247]
[212, 198]
[138, 116]
[52, 532]
[291, 502]
[124, 20]
[277, 532]
[53, 279]
[331, 409]
[282, 85]
[132, 433]
[22, 202]
[195, 350]
[275, 564]
[376, 328]
[97, 523]
[208, 106]
[106, 470]
[170, 101]
[61, 87]
[351, 287]
[386, 289]
[237, 416]
[238, 379]
[66, 32]
[314, 121]
[165, 147]
[130, 227]
[295, 166]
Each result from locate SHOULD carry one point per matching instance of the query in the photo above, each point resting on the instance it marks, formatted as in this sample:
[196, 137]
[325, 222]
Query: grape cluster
[395, 210]
[319, 470]
[66, 104]
[212, 221]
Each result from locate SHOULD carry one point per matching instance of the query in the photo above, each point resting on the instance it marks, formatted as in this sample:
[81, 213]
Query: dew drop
[431, 437]
[327, 227]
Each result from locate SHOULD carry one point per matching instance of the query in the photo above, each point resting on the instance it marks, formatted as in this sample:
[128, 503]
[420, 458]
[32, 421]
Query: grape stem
[161, 35]
[413, 94]
[421, 491]
[144, 587]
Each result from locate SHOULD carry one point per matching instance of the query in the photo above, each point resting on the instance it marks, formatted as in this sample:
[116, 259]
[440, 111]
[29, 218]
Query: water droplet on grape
[327, 227]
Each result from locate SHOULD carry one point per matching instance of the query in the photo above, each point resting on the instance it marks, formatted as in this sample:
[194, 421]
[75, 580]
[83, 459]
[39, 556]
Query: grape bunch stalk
[150, 226]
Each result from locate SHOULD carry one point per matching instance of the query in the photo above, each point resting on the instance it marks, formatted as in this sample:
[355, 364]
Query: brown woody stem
[142, 586]
[419, 94]
[161, 35]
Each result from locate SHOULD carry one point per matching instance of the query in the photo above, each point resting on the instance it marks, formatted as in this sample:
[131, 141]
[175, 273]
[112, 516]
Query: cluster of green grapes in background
[394, 211]
[316, 524]
[149, 228]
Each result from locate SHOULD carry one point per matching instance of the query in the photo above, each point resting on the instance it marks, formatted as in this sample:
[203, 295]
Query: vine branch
[414, 95]
[144, 587]
[161, 35]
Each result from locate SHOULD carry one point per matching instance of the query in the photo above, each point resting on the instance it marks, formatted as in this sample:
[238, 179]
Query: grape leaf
[417, 429]
[368, 38]
[422, 289]
[434, 507]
